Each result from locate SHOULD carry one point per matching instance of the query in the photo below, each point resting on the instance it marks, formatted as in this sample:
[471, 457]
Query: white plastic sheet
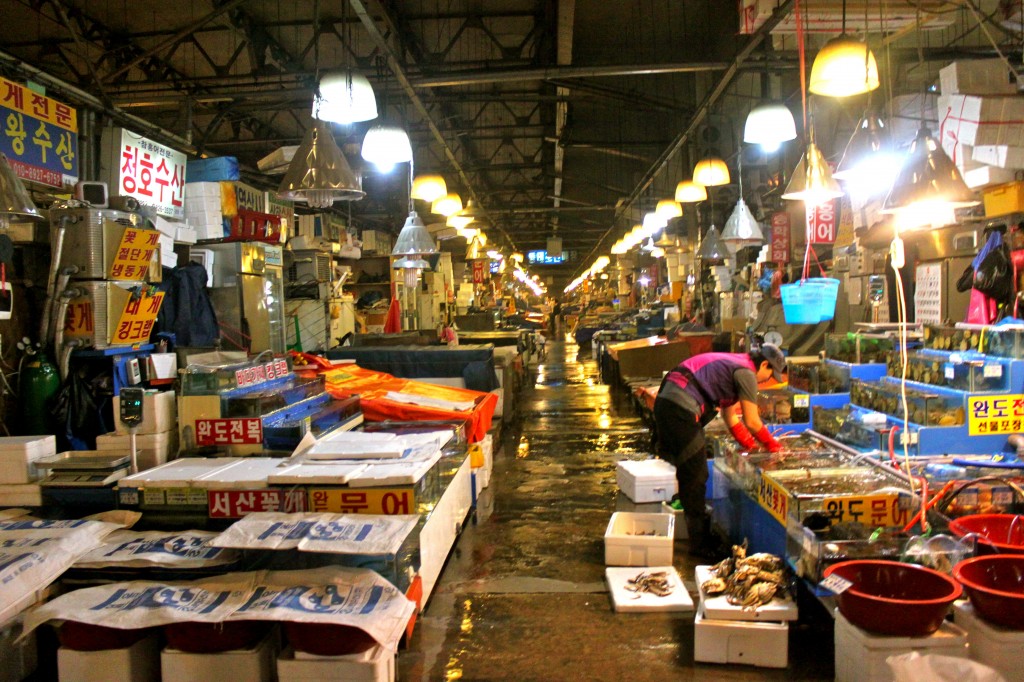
[914, 667]
[366, 534]
[189, 549]
[337, 595]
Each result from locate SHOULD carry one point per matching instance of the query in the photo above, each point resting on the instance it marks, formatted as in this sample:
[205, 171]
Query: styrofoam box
[202, 189]
[718, 608]
[374, 665]
[624, 544]
[682, 530]
[977, 77]
[624, 504]
[988, 120]
[986, 176]
[1000, 155]
[625, 600]
[765, 645]
[651, 480]
[18, 453]
[165, 443]
[138, 663]
[159, 413]
[994, 646]
[251, 665]
[860, 655]
[185, 235]
[21, 495]
[19, 658]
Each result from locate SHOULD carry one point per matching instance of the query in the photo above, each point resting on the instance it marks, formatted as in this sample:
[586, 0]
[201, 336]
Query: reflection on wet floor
[523, 595]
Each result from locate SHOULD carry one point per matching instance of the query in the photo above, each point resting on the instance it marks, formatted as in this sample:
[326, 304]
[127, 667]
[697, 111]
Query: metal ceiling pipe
[548, 73]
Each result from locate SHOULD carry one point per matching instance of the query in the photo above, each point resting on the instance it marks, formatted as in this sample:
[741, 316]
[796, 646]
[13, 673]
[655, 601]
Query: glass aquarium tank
[1006, 343]
[804, 377]
[924, 408]
[829, 422]
[950, 338]
[857, 348]
[972, 372]
[780, 406]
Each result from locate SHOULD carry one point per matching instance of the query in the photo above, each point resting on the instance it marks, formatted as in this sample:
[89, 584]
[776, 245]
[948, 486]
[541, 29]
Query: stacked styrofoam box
[253, 665]
[994, 646]
[860, 655]
[651, 480]
[628, 540]
[138, 663]
[375, 665]
[975, 120]
[152, 449]
[159, 413]
[203, 209]
[977, 77]
[18, 455]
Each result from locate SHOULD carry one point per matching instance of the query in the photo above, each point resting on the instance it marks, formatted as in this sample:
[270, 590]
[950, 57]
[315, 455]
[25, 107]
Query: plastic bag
[966, 281]
[994, 276]
[981, 309]
[914, 667]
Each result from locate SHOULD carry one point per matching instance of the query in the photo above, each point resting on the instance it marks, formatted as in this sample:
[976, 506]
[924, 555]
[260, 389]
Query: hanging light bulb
[657, 252]
[652, 223]
[711, 247]
[447, 205]
[690, 192]
[669, 209]
[414, 240]
[812, 181]
[319, 175]
[475, 250]
[411, 268]
[386, 145]
[769, 125]
[741, 229]
[458, 221]
[344, 96]
[869, 165]
[928, 181]
[428, 188]
[843, 67]
[711, 172]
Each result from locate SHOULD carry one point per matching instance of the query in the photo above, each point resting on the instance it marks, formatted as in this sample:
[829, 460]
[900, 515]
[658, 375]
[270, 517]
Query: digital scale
[83, 469]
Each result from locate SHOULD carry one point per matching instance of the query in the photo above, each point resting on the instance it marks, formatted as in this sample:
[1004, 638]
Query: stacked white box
[974, 120]
[628, 540]
[994, 646]
[152, 449]
[18, 454]
[651, 480]
[860, 655]
[203, 209]
[977, 77]
[374, 665]
[1001, 156]
[625, 598]
[159, 413]
[137, 663]
[21, 495]
[765, 645]
[252, 665]
[168, 258]
[987, 176]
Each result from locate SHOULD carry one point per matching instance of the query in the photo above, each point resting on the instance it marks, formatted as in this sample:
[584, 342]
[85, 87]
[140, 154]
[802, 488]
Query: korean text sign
[995, 414]
[149, 171]
[40, 136]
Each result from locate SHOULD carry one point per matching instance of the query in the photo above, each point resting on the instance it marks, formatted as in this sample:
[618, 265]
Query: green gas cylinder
[40, 381]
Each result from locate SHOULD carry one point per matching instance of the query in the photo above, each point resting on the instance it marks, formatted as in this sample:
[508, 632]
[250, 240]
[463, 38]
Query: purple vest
[713, 375]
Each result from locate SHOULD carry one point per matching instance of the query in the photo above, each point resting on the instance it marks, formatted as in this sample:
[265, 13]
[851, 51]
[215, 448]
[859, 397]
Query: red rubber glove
[769, 442]
[742, 436]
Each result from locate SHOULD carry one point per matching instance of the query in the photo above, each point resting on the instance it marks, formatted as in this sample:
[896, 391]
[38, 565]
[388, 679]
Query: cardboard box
[375, 665]
[977, 77]
[252, 665]
[21, 495]
[18, 454]
[765, 645]
[137, 663]
[159, 411]
[991, 645]
[152, 449]
[652, 480]
[860, 655]
[625, 542]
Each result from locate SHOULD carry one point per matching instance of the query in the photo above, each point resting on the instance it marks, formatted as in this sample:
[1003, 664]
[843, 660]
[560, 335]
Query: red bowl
[214, 638]
[86, 637]
[995, 585]
[994, 531]
[325, 639]
[890, 598]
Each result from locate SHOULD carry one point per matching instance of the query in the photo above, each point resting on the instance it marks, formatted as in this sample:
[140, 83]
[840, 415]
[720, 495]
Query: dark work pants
[681, 443]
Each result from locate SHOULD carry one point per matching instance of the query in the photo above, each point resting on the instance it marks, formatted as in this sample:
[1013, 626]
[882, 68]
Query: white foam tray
[248, 474]
[308, 473]
[719, 608]
[178, 473]
[626, 601]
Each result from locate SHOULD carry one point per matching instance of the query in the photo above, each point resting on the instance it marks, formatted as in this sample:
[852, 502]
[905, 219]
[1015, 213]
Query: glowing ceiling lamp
[769, 125]
[447, 205]
[711, 247]
[386, 145]
[344, 96]
[927, 181]
[741, 229]
[812, 181]
[428, 187]
[669, 209]
[690, 192]
[319, 175]
[711, 172]
[475, 250]
[414, 240]
[652, 223]
[869, 165]
[843, 67]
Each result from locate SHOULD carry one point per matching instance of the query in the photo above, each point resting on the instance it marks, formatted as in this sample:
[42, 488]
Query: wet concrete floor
[523, 595]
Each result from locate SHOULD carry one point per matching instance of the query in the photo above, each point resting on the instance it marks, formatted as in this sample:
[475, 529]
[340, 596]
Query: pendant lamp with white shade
[690, 192]
[386, 145]
[769, 125]
[711, 172]
[447, 205]
[843, 67]
[428, 187]
[344, 96]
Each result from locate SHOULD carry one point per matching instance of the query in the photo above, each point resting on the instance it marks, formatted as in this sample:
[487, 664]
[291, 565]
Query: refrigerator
[248, 295]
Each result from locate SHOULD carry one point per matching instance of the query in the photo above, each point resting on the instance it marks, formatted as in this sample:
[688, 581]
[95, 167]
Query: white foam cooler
[628, 540]
[649, 480]
[18, 455]
[374, 665]
[764, 645]
[992, 645]
[253, 665]
[138, 663]
[860, 655]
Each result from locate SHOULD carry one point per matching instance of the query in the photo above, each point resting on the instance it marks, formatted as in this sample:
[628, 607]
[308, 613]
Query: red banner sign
[229, 432]
[780, 238]
[234, 504]
[258, 374]
[479, 271]
[821, 223]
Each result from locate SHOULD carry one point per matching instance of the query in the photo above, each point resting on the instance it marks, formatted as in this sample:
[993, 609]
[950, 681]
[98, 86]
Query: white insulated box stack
[724, 633]
[152, 449]
[635, 539]
[203, 209]
[649, 480]
[19, 477]
[997, 647]
[860, 655]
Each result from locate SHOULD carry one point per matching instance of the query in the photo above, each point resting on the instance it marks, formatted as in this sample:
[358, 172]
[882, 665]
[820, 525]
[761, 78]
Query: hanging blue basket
[829, 289]
[801, 303]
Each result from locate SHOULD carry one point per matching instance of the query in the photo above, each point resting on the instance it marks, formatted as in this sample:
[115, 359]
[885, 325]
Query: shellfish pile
[748, 581]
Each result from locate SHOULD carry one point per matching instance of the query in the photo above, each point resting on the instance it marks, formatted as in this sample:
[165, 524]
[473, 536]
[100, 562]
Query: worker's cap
[776, 360]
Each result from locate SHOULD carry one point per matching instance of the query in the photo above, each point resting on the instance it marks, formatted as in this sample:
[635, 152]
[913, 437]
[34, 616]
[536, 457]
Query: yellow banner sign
[995, 414]
[40, 107]
[137, 318]
[870, 510]
[363, 500]
[78, 321]
[134, 254]
[774, 498]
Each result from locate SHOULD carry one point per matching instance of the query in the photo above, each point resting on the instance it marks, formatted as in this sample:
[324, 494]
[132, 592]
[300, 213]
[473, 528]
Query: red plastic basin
[995, 585]
[85, 637]
[326, 639]
[214, 638]
[890, 598]
[997, 531]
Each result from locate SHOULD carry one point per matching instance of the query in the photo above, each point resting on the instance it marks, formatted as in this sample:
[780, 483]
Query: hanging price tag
[993, 371]
[836, 584]
[801, 400]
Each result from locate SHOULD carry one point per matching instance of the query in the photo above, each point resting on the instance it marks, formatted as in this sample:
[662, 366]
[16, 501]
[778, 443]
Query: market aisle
[523, 596]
